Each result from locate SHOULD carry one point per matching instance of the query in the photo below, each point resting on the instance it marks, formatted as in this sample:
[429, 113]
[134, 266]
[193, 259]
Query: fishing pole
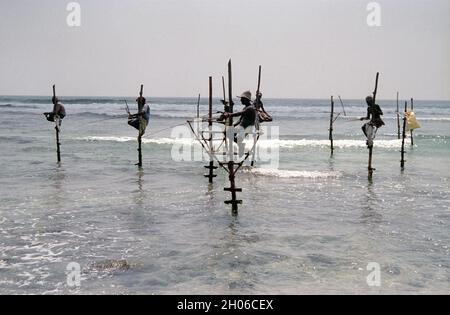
[353, 120]
[342, 103]
[101, 120]
[336, 118]
[127, 108]
[159, 131]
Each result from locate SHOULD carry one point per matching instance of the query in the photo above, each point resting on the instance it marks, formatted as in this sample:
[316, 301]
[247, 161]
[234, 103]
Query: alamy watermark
[374, 277]
[73, 278]
[231, 143]
[74, 17]
[374, 16]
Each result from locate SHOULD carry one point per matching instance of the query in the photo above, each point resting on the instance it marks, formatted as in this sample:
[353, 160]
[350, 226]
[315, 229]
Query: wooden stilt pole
[231, 164]
[255, 137]
[140, 106]
[234, 202]
[58, 149]
[58, 143]
[402, 161]
[230, 90]
[412, 131]
[229, 123]
[140, 151]
[211, 166]
[398, 119]
[370, 168]
[331, 126]
[225, 109]
[223, 89]
[198, 106]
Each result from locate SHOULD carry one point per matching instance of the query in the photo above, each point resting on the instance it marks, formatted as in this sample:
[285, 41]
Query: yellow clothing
[411, 121]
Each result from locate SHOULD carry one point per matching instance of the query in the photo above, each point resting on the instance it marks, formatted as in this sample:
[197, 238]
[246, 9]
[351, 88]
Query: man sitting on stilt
[374, 114]
[263, 116]
[246, 122]
[140, 120]
[58, 113]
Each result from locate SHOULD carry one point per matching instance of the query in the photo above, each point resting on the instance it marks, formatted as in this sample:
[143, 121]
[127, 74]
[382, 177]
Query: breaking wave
[434, 119]
[287, 144]
[343, 144]
[294, 174]
[264, 143]
[17, 106]
[162, 141]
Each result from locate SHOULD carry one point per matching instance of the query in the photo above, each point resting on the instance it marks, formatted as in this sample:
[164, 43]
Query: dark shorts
[134, 123]
[51, 116]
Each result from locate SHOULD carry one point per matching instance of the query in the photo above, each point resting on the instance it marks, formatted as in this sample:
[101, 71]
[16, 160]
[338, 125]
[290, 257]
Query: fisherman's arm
[234, 114]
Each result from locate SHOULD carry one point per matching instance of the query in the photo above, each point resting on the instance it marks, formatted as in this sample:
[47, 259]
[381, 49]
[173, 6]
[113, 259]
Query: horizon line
[216, 97]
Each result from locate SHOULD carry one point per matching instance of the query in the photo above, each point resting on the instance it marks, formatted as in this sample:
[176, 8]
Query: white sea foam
[167, 141]
[343, 144]
[111, 139]
[433, 119]
[294, 174]
[346, 143]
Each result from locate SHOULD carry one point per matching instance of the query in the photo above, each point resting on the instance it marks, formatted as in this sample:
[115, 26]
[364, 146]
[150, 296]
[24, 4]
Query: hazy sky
[308, 48]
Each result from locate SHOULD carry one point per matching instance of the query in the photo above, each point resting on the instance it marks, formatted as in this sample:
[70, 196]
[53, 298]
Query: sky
[307, 48]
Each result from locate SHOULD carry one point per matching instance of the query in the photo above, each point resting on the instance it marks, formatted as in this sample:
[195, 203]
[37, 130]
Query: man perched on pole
[374, 114]
[58, 113]
[246, 121]
[141, 119]
[56, 116]
[263, 116]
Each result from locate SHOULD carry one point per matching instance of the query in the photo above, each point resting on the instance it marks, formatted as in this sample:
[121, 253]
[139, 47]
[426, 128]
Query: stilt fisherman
[246, 121]
[58, 113]
[374, 114]
[141, 119]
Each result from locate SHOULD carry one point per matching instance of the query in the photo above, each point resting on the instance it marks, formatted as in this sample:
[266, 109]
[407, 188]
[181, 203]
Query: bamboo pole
[58, 144]
[232, 177]
[211, 166]
[230, 110]
[223, 89]
[370, 168]
[231, 164]
[230, 91]
[255, 136]
[331, 126]
[225, 109]
[412, 131]
[398, 119]
[140, 106]
[198, 106]
[402, 161]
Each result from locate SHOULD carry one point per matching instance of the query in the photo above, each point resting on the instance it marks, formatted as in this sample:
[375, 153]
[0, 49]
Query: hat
[247, 95]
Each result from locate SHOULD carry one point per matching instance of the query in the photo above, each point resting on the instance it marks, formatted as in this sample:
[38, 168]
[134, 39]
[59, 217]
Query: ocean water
[312, 225]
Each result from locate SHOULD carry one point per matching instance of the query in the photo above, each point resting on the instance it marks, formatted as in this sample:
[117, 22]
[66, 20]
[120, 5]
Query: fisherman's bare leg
[240, 140]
